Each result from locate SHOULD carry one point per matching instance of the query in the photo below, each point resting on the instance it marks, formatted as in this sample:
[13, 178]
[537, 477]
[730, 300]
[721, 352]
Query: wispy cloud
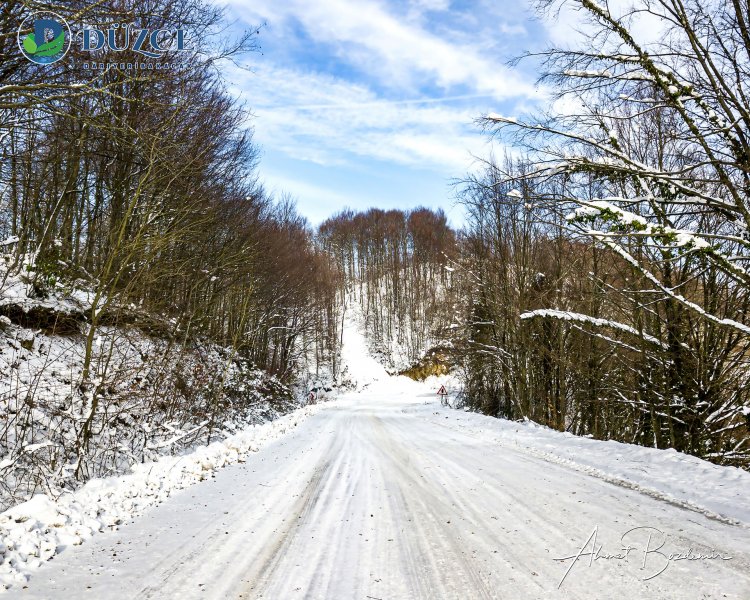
[400, 53]
[369, 92]
[343, 121]
[381, 103]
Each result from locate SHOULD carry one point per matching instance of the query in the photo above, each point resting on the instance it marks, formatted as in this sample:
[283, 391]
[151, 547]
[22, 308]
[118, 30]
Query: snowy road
[383, 496]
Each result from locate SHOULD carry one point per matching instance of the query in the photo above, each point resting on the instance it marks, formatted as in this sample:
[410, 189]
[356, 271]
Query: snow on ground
[716, 491]
[410, 339]
[685, 480]
[358, 365]
[386, 494]
[141, 411]
[147, 394]
[36, 530]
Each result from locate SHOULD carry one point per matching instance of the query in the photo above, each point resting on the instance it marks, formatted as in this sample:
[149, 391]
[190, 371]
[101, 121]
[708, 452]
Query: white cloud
[569, 25]
[350, 86]
[316, 202]
[338, 121]
[399, 52]
[513, 29]
[435, 5]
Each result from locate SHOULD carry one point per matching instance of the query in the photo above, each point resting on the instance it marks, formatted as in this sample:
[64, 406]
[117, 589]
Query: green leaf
[29, 44]
[53, 47]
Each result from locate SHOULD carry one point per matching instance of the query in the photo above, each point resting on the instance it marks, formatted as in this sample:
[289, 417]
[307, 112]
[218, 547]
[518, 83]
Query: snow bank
[33, 532]
[716, 491]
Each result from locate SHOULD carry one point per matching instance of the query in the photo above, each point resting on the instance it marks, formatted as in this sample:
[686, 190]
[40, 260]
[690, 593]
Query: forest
[152, 291]
[148, 277]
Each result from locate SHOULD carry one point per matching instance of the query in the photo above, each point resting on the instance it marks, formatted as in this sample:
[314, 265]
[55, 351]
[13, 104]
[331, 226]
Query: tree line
[396, 265]
[599, 284]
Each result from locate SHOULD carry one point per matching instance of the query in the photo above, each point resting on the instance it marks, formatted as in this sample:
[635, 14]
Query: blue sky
[365, 103]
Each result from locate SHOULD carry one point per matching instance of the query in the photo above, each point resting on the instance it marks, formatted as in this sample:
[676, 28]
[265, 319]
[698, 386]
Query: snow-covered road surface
[384, 496]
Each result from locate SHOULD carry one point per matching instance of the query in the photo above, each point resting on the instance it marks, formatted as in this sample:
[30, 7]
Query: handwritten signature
[642, 543]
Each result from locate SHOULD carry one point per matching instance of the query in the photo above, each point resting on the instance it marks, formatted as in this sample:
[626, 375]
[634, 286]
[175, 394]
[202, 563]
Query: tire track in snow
[368, 500]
